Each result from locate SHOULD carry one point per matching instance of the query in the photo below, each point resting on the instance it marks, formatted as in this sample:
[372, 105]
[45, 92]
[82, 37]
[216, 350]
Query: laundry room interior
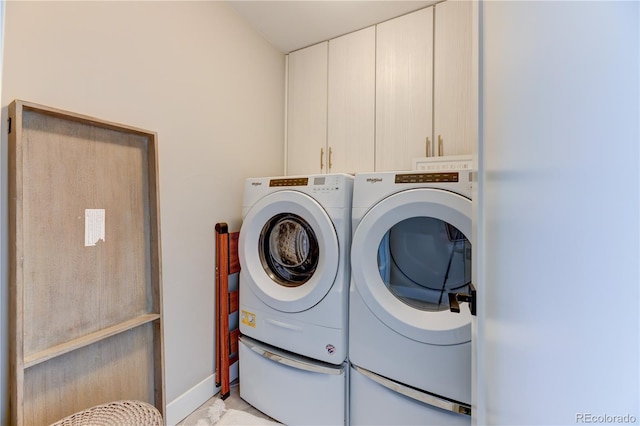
[498, 140]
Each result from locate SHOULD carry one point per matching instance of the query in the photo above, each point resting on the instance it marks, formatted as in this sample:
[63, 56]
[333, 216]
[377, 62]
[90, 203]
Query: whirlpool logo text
[374, 180]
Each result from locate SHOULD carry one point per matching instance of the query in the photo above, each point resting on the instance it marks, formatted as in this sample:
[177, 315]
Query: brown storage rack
[85, 283]
[227, 264]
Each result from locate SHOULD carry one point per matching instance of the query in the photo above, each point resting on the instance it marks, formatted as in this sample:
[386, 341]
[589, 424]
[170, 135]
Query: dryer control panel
[427, 177]
[443, 164]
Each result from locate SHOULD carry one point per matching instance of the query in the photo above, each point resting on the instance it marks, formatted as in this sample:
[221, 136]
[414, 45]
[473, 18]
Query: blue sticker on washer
[330, 349]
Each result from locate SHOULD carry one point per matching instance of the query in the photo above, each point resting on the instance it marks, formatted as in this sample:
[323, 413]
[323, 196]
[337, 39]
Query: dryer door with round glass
[408, 252]
[290, 249]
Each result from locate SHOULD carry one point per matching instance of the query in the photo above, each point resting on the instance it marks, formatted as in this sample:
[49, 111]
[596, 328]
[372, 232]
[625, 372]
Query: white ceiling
[294, 24]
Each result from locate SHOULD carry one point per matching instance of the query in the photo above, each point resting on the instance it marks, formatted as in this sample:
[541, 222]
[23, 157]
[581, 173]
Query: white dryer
[411, 248]
[294, 280]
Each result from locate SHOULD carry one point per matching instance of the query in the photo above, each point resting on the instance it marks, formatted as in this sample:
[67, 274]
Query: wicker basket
[118, 413]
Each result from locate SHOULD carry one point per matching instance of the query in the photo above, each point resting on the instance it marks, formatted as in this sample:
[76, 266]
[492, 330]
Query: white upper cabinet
[331, 106]
[404, 79]
[452, 80]
[377, 98]
[307, 110]
[351, 112]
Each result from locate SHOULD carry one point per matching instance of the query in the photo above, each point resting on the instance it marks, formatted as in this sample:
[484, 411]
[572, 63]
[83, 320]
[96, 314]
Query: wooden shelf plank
[61, 349]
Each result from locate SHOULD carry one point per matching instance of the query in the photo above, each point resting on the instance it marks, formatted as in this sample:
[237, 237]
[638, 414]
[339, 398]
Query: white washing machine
[411, 248]
[294, 256]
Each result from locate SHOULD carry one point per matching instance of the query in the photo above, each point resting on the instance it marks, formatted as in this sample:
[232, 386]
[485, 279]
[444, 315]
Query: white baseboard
[188, 402]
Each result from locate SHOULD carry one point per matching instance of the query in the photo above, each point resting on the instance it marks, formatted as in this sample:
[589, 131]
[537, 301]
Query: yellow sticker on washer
[248, 318]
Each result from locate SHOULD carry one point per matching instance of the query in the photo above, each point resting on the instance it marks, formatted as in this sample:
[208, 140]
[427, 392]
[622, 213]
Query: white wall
[559, 178]
[210, 87]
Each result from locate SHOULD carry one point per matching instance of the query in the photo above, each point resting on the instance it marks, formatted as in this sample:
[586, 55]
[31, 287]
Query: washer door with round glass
[289, 247]
[408, 252]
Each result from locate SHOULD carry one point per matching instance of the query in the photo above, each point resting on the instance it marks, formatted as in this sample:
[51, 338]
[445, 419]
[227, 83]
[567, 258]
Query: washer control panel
[318, 184]
[324, 184]
[300, 181]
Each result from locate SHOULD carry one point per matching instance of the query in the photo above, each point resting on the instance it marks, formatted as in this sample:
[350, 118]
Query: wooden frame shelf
[63, 348]
[85, 284]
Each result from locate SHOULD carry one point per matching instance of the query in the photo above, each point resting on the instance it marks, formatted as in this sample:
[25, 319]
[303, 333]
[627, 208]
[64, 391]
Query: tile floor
[233, 401]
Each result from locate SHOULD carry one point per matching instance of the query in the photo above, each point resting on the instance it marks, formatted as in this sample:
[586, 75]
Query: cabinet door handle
[330, 154]
[440, 146]
[321, 159]
[428, 147]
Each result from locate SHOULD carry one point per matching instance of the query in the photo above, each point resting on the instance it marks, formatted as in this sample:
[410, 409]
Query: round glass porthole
[421, 259]
[288, 250]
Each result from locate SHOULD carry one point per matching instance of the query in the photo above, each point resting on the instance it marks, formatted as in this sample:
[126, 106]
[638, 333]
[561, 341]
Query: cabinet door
[453, 78]
[351, 112]
[307, 110]
[404, 78]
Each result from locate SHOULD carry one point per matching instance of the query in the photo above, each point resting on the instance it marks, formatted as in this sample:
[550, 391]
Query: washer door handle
[456, 298]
